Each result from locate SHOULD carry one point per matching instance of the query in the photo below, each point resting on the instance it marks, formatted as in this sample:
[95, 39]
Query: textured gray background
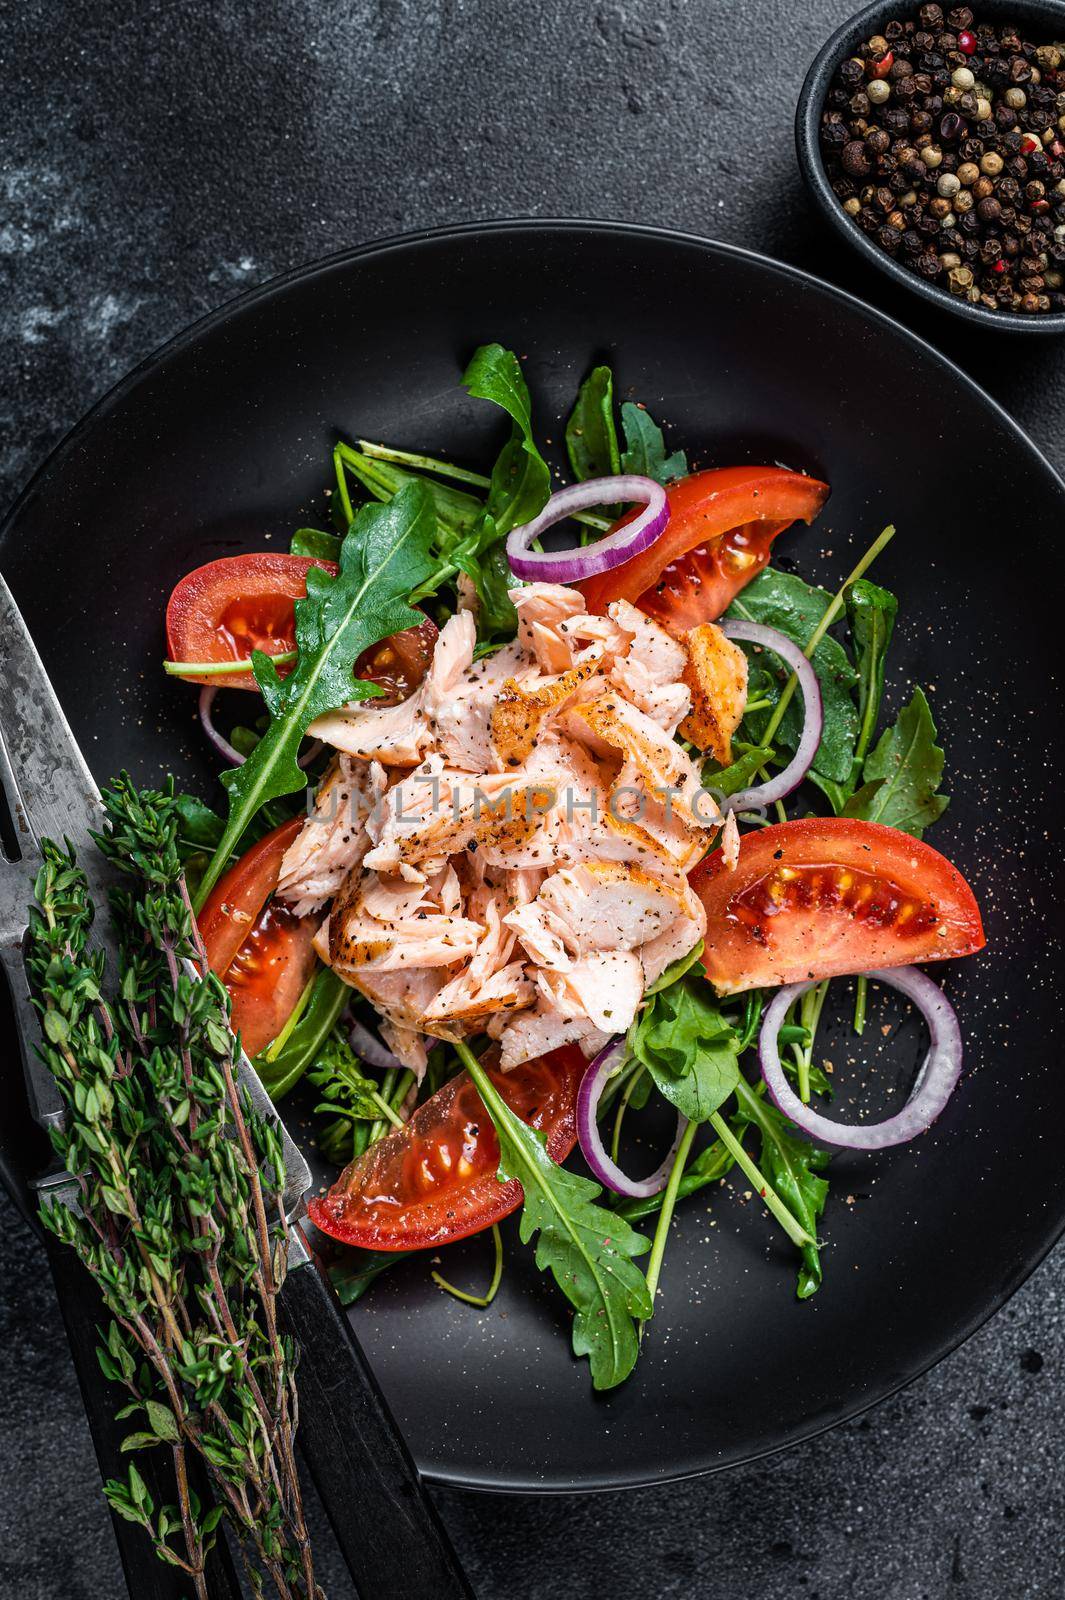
[159, 158]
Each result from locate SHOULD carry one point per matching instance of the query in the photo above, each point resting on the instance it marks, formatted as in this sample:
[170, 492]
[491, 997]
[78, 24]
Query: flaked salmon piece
[539, 935]
[394, 735]
[333, 839]
[650, 673]
[607, 905]
[604, 990]
[520, 712]
[534, 1033]
[542, 608]
[651, 648]
[465, 1000]
[522, 884]
[431, 816]
[389, 926]
[667, 770]
[640, 829]
[716, 675]
[730, 842]
[687, 928]
[408, 1046]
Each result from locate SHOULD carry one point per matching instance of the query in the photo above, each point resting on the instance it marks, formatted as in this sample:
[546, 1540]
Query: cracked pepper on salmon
[505, 850]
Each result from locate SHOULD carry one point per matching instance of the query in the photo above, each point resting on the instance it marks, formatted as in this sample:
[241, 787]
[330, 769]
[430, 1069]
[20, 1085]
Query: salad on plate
[558, 807]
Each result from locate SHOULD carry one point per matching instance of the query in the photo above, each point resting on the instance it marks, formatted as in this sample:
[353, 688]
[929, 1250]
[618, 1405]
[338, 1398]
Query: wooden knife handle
[387, 1527]
[147, 1578]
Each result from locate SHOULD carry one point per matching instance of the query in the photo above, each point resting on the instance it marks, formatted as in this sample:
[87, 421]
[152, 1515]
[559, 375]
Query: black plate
[221, 443]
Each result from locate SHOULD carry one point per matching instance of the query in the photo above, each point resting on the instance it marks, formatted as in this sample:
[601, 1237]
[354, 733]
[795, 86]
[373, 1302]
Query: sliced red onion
[932, 1087]
[608, 1173]
[314, 749]
[571, 566]
[764, 794]
[222, 745]
[369, 1047]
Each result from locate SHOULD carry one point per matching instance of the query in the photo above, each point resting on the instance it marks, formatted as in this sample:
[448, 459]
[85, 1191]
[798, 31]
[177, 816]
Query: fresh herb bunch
[180, 1217]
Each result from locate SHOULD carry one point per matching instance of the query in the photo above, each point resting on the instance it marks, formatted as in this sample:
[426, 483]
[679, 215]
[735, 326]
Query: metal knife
[384, 1521]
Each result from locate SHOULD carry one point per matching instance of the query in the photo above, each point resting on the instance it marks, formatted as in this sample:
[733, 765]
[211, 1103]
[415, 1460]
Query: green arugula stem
[623, 1106]
[215, 669]
[761, 1185]
[386, 1109]
[861, 996]
[480, 1300]
[665, 1215]
[407, 458]
[714, 1164]
[810, 1008]
[274, 1049]
[832, 611]
[342, 484]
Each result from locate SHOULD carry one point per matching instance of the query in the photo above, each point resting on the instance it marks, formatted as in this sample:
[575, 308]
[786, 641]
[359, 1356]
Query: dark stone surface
[157, 159]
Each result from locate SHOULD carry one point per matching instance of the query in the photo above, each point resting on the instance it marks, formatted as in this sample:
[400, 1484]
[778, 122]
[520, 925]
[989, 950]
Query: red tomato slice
[228, 608]
[722, 524]
[826, 896]
[434, 1180]
[262, 953]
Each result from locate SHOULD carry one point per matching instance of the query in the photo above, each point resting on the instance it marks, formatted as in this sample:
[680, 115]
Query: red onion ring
[222, 745]
[764, 794]
[369, 1047]
[606, 1171]
[933, 1086]
[571, 566]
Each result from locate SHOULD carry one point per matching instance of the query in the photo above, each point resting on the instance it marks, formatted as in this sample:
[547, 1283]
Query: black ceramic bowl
[222, 442]
[1044, 19]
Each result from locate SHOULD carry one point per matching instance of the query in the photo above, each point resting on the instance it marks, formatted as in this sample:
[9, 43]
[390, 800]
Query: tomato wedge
[826, 896]
[262, 953]
[434, 1180]
[722, 523]
[228, 608]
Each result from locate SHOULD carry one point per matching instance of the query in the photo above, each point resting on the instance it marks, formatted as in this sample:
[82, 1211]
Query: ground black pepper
[944, 139]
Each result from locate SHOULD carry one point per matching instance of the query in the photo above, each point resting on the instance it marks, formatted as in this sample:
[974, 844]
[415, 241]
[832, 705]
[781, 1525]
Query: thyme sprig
[180, 1216]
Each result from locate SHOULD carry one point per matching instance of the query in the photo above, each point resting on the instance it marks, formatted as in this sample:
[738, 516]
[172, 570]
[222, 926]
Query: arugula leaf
[591, 438]
[645, 448]
[386, 554]
[741, 773]
[871, 613]
[350, 1098]
[521, 480]
[519, 488]
[902, 774]
[304, 1045]
[794, 608]
[588, 1249]
[456, 511]
[793, 1166]
[675, 970]
[313, 542]
[689, 1047]
[353, 1273]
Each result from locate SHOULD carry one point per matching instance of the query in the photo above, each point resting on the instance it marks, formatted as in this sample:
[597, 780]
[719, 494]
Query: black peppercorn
[852, 73]
[931, 16]
[961, 17]
[854, 160]
[989, 210]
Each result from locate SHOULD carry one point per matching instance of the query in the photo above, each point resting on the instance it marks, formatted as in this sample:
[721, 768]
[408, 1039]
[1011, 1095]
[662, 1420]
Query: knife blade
[384, 1521]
